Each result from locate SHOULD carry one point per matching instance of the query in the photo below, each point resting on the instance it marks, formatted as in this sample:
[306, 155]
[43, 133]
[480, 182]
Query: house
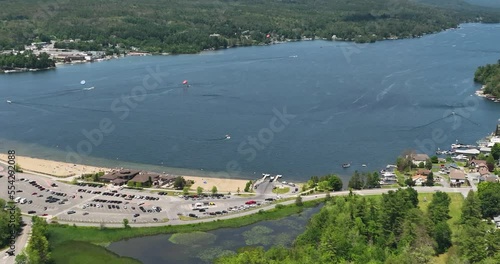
[483, 170]
[417, 158]
[388, 178]
[496, 220]
[491, 178]
[419, 179]
[475, 177]
[165, 179]
[424, 172]
[476, 163]
[119, 177]
[457, 178]
[144, 178]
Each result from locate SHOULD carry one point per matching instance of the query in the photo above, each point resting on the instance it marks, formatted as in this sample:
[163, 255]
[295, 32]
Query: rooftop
[420, 157]
[457, 175]
[144, 177]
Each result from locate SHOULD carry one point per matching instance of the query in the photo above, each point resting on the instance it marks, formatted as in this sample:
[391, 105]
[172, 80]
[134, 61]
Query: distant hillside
[469, 6]
[487, 3]
[186, 26]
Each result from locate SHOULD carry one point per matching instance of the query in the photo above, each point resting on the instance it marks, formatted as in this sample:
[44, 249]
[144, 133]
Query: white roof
[485, 149]
[467, 151]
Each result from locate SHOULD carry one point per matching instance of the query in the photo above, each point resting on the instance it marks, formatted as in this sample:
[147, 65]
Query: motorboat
[346, 165]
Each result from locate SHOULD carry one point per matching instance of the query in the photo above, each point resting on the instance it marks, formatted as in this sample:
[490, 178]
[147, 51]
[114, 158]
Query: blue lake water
[355, 103]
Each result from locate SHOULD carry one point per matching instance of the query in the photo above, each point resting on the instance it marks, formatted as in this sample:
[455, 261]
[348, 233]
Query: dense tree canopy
[489, 195]
[489, 76]
[6, 226]
[184, 26]
[354, 229]
[26, 60]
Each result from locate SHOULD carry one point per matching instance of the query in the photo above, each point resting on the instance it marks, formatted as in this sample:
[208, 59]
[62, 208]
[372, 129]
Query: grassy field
[281, 190]
[76, 252]
[455, 210]
[455, 206]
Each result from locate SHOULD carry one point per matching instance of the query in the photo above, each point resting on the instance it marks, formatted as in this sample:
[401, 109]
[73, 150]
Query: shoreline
[334, 38]
[64, 171]
[490, 97]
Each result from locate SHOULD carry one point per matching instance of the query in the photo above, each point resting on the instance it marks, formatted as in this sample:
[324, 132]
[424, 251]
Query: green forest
[188, 26]
[392, 228]
[489, 76]
[6, 226]
[26, 60]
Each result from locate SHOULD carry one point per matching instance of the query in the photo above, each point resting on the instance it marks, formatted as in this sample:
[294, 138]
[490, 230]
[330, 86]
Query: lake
[203, 247]
[297, 109]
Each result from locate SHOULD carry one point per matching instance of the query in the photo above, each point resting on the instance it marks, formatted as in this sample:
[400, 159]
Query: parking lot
[96, 203]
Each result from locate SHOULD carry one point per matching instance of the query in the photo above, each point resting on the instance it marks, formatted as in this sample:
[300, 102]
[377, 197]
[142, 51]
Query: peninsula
[489, 77]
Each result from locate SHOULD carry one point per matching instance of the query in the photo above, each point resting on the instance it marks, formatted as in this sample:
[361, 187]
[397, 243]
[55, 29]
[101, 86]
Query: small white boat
[346, 165]
[9, 101]
[228, 137]
[363, 165]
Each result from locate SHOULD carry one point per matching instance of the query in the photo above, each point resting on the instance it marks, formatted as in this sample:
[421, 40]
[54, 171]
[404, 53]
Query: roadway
[21, 243]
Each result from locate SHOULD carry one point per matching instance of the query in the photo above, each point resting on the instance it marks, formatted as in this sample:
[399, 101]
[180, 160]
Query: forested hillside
[489, 76]
[392, 229]
[184, 26]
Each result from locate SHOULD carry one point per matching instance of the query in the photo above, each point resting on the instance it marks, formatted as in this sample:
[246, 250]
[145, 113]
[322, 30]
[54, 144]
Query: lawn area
[76, 252]
[455, 206]
[455, 211]
[281, 190]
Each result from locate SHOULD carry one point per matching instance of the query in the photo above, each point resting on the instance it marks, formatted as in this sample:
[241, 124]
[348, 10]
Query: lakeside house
[119, 177]
[145, 178]
[417, 158]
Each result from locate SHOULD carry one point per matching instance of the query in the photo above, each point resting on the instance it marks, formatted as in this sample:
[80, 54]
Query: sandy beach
[53, 168]
[223, 185]
[63, 170]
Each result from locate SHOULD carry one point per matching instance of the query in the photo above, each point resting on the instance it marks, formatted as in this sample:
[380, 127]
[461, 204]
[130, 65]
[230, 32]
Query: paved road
[21, 243]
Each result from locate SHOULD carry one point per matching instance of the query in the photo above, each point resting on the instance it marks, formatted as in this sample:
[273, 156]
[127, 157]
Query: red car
[251, 202]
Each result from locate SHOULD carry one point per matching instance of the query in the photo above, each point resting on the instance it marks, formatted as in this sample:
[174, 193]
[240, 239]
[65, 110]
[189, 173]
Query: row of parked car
[107, 201]
[90, 185]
